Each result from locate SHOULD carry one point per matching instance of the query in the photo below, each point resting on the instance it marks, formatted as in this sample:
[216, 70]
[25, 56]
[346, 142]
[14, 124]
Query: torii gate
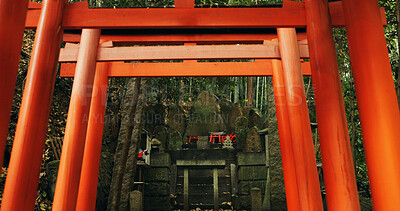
[77, 179]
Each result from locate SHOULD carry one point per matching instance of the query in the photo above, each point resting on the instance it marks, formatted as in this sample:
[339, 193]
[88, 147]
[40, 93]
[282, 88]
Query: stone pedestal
[256, 201]
[203, 143]
[135, 201]
[157, 179]
[252, 173]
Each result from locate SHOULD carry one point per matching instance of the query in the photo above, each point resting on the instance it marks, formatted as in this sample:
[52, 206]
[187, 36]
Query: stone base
[251, 158]
[157, 203]
[160, 160]
[157, 175]
[252, 173]
[246, 186]
[135, 201]
[156, 189]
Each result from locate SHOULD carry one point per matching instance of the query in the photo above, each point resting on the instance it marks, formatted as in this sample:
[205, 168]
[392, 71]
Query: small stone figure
[227, 143]
[155, 145]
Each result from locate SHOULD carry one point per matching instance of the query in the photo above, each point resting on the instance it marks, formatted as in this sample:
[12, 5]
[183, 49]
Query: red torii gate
[380, 118]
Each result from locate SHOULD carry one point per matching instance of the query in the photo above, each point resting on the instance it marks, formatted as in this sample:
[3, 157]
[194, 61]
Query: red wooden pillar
[23, 173]
[285, 138]
[377, 102]
[12, 25]
[339, 176]
[94, 136]
[303, 150]
[75, 131]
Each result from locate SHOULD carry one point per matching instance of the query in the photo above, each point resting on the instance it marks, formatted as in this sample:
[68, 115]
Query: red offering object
[216, 137]
[193, 138]
[231, 136]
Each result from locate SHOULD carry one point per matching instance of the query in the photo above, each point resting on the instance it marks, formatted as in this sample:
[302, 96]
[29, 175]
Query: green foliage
[170, 3]
[131, 3]
[237, 2]
[391, 34]
[178, 89]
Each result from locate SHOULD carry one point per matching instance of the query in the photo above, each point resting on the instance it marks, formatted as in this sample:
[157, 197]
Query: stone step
[204, 172]
[205, 189]
[224, 206]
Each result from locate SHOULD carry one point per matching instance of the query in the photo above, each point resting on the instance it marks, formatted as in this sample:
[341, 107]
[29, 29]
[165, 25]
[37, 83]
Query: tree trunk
[257, 91]
[236, 94]
[190, 86]
[250, 83]
[262, 94]
[124, 139]
[240, 88]
[213, 85]
[244, 88]
[265, 97]
[131, 163]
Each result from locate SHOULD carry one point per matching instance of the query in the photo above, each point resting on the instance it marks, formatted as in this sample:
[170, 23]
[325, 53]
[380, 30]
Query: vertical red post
[377, 102]
[302, 145]
[94, 136]
[339, 176]
[12, 25]
[285, 138]
[23, 173]
[75, 131]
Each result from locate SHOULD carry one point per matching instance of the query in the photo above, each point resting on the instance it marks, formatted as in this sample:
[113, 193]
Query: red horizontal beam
[269, 50]
[34, 5]
[78, 16]
[190, 69]
[180, 39]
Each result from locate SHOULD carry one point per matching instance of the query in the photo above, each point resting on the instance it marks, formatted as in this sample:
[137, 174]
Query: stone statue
[228, 144]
